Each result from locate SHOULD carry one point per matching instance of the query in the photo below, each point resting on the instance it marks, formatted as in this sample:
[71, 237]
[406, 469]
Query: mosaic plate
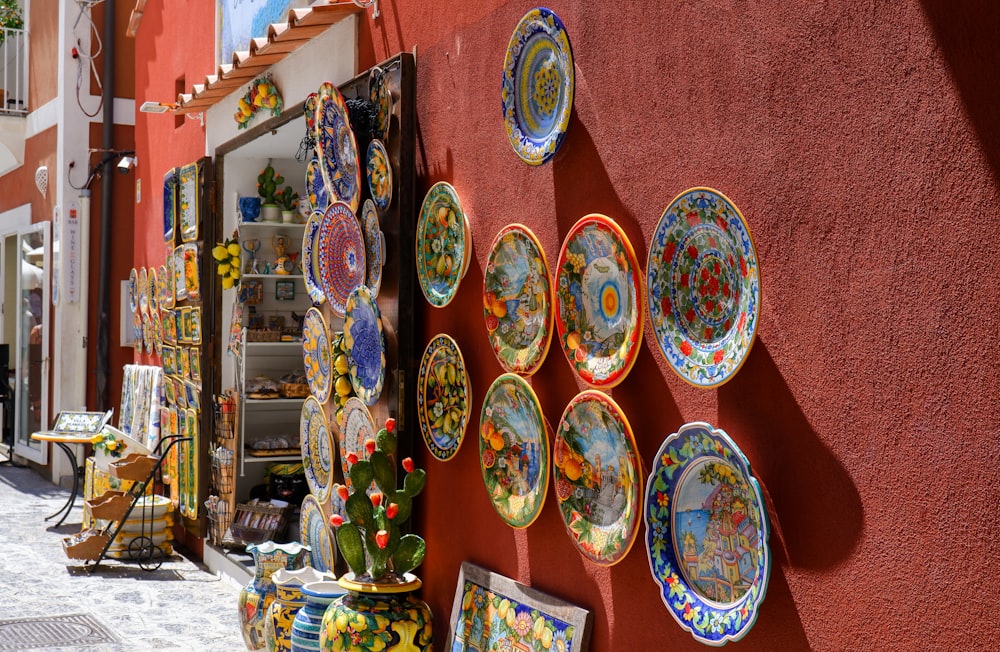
[443, 397]
[514, 450]
[374, 246]
[316, 195]
[706, 534]
[704, 287]
[337, 148]
[342, 260]
[536, 91]
[517, 300]
[444, 244]
[598, 301]
[378, 93]
[598, 476]
[310, 258]
[379, 174]
[317, 449]
[133, 290]
[357, 427]
[316, 355]
[364, 345]
[187, 202]
[314, 532]
[142, 290]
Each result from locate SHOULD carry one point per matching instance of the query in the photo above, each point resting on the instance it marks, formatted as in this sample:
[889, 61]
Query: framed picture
[183, 368]
[169, 395]
[276, 322]
[179, 393]
[284, 290]
[193, 396]
[193, 319]
[169, 356]
[194, 357]
[252, 291]
[476, 623]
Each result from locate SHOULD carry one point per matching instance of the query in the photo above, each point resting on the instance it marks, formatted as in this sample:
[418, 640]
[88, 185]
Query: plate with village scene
[514, 450]
[704, 287]
[598, 301]
[356, 427]
[379, 175]
[598, 477]
[706, 534]
[536, 91]
[444, 244]
[317, 448]
[316, 355]
[314, 531]
[517, 300]
[337, 147]
[443, 397]
[374, 246]
[341, 254]
[310, 258]
[381, 97]
[364, 344]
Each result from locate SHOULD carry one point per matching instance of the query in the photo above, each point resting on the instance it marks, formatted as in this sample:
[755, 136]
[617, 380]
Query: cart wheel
[148, 555]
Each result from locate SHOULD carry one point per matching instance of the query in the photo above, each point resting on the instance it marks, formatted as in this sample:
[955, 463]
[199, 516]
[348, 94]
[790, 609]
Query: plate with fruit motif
[314, 531]
[341, 254]
[444, 244]
[165, 287]
[317, 448]
[364, 344]
[337, 148]
[316, 355]
[143, 290]
[310, 258]
[379, 173]
[356, 429]
[443, 397]
[598, 477]
[704, 287]
[514, 450]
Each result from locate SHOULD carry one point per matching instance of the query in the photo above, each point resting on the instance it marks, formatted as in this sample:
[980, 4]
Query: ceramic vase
[288, 599]
[270, 213]
[309, 619]
[257, 595]
[249, 208]
[288, 217]
[377, 617]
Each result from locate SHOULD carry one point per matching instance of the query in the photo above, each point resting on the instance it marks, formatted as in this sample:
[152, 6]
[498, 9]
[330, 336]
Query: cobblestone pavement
[180, 606]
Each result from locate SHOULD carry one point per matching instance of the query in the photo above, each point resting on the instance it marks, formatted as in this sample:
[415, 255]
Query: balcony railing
[14, 75]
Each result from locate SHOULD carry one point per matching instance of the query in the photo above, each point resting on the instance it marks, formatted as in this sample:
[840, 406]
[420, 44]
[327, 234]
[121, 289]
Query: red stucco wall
[860, 140]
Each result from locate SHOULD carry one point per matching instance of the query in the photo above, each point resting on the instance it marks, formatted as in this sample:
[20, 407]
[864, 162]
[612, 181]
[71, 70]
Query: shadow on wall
[815, 509]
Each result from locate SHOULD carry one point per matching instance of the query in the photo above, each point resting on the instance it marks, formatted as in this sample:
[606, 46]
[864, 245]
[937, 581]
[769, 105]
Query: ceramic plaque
[187, 202]
[133, 290]
[169, 206]
[316, 355]
[342, 258]
[337, 148]
[317, 448]
[443, 397]
[444, 244]
[364, 345]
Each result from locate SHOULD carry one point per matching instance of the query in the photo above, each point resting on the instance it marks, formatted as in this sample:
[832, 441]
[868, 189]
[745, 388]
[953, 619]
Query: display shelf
[277, 277]
[249, 459]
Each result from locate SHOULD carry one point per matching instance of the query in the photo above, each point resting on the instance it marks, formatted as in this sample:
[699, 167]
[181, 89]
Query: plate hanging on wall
[317, 448]
[381, 97]
[187, 202]
[337, 148]
[310, 258]
[316, 355]
[374, 246]
[342, 258]
[356, 428]
[444, 244]
[316, 193]
[364, 344]
[443, 397]
[379, 175]
[315, 533]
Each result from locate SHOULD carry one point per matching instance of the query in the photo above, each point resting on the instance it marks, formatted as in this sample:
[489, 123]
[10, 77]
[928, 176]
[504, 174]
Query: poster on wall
[242, 20]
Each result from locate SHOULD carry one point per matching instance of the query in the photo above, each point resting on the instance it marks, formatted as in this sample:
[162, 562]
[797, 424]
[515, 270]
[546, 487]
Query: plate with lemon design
[316, 355]
[514, 450]
[443, 397]
[444, 244]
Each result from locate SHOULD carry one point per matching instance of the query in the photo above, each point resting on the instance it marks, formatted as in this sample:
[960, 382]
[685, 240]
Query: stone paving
[180, 606]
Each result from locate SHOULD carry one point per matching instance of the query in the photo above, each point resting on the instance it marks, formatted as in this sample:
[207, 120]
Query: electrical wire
[89, 57]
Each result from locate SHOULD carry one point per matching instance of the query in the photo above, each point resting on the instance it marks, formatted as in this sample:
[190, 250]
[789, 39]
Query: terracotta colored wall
[19, 184]
[43, 41]
[860, 141]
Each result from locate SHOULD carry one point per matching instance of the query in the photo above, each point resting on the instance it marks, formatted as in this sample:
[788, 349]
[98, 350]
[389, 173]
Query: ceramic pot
[309, 619]
[257, 595]
[249, 208]
[377, 617]
[270, 213]
[288, 599]
[289, 217]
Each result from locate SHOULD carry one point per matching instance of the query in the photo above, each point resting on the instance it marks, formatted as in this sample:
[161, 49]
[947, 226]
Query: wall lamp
[164, 107]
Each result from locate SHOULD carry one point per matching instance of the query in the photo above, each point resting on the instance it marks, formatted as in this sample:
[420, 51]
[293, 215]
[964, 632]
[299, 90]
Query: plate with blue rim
[316, 355]
[337, 147]
[374, 246]
[317, 448]
[310, 258]
[364, 343]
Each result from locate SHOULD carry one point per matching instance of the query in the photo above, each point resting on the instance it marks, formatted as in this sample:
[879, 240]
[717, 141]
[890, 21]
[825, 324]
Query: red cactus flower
[391, 510]
[370, 445]
[336, 520]
[376, 498]
[390, 424]
[382, 539]
[352, 458]
[408, 465]
[343, 492]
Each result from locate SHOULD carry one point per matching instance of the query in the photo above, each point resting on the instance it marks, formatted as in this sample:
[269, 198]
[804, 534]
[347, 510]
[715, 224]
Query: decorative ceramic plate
[704, 287]
[598, 476]
[176, 267]
[164, 287]
[364, 345]
[315, 533]
[337, 148]
[309, 112]
[192, 282]
[342, 258]
[537, 87]
[598, 298]
[443, 397]
[357, 427]
[137, 330]
[379, 175]
[133, 290]
[316, 193]
[317, 448]
[706, 534]
[378, 93]
[143, 291]
[514, 450]
[147, 332]
[187, 202]
[517, 300]
[316, 355]
[169, 206]
[153, 291]
[374, 246]
[310, 258]
[169, 327]
[444, 244]
[157, 324]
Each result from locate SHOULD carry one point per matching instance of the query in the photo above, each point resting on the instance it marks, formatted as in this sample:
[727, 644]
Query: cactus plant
[268, 182]
[371, 539]
[288, 199]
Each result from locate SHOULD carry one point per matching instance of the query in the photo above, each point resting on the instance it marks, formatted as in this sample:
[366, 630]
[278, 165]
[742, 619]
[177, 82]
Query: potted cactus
[288, 201]
[268, 187]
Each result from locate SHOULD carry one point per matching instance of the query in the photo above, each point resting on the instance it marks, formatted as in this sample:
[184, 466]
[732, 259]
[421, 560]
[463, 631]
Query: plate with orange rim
[337, 147]
[599, 301]
[379, 175]
[443, 397]
[316, 355]
[444, 244]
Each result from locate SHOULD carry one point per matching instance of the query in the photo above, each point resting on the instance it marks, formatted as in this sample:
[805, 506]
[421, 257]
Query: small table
[63, 441]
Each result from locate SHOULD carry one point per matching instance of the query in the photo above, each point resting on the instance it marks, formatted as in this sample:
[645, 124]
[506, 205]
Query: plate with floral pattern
[317, 448]
[310, 258]
[706, 534]
[514, 450]
[444, 244]
[133, 290]
[357, 428]
[154, 289]
[337, 147]
[147, 332]
[517, 300]
[374, 246]
[704, 287]
[164, 287]
[443, 397]
[316, 355]
[143, 291]
[379, 174]
[598, 301]
[316, 194]
[598, 477]
[192, 280]
[364, 345]
[381, 97]
[342, 258]
[157, 331]
[536, 91]
[315, 533]
[309, 112]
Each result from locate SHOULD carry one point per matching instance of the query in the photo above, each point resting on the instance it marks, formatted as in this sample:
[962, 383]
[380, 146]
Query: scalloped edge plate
[440, 446]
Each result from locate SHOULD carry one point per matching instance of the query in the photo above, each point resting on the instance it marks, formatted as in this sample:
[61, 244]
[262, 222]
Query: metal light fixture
[126, 163]
[164, 107]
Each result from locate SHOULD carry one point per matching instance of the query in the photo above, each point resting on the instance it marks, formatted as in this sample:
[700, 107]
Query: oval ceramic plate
[317, 448]
[704, 287]
[133, 290]
[147, 332]
[143, 291]
[153, 291]
[169, 206]
[598, 477]
[166, 288]
[357, 427]
[517, 300]
[706, 534]
[443, 397]
[378, 93]
[342, 258]
[444, 244]
[379, 175]
[364, 345]
[315, 533]
[598, 298]
[192, 282]
[374, 246]
[316, 355]
[177, 274]
[157, 332]
[310, 258]
[537, 87]
[309, 112]
[316, 193]
[514, 450]
[337, 148]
